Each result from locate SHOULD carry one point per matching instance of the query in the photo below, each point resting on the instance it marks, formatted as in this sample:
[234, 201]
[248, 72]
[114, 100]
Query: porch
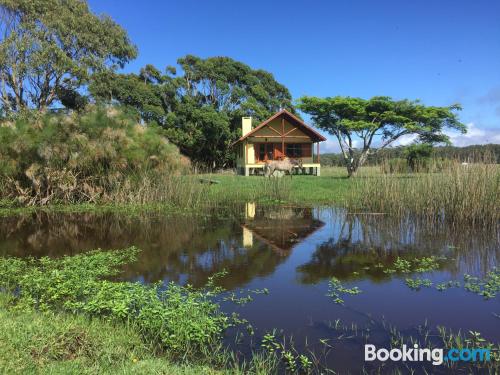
[313, 169]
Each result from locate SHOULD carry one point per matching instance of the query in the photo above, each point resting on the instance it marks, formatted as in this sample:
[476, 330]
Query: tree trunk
[351, 171]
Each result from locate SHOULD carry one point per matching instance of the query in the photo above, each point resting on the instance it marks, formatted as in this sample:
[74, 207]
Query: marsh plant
[337, 291]
[461, 195]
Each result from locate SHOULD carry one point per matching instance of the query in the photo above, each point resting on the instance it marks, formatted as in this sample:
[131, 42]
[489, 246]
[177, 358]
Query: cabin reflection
[280, 228]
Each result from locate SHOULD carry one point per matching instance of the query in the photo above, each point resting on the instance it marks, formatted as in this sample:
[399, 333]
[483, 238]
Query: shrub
[80, 157]
[183, 321]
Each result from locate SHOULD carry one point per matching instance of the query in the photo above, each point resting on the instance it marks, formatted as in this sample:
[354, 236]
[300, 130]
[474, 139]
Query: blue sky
[440, 51]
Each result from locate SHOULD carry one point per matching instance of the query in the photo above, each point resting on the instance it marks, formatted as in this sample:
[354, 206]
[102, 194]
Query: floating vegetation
[259, 291]
[420, 265]
[418, 283]
[232, 297]
[427, 264]
[237, 300]
[336, 290]
[447, 285]
[488, 287]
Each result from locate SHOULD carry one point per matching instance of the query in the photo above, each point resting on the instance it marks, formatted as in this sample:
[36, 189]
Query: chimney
[246, 125]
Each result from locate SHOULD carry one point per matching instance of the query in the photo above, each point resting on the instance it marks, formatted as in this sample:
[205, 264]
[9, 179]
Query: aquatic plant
[447, 284]
[336, 290]
[294, 362]
[487, 287]
[418, 283]
[420, 265]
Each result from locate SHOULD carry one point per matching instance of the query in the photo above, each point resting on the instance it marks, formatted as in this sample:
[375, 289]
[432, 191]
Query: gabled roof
[315, 136]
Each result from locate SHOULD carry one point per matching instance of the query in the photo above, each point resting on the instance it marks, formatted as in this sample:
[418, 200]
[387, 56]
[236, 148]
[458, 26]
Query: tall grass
[462, 194]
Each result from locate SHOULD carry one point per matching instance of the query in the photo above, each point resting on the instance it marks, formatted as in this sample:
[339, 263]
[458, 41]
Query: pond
[284, 258]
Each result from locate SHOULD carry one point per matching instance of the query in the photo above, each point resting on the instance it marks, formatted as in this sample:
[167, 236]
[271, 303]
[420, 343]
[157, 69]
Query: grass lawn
[331, 187]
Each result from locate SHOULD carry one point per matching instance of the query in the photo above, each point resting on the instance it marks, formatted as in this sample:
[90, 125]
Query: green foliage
[447, 285]
[488, 287]
[418, 283]
[53, 343]
[418, 155]
[81, 157]
[294, 362]
[336, 290]
[181, 320]
[349, 119]
[419, 265]
[200, 109]
[489, 153]
[49, 49]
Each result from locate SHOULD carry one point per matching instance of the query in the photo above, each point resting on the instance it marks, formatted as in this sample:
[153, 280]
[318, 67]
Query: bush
[75, 158]
[183, 321]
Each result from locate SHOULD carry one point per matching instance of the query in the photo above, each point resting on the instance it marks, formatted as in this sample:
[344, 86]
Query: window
[262, 151]
[294, 150]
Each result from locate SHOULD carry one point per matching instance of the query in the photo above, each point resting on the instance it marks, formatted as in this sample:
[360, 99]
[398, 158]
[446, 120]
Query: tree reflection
[362, 246]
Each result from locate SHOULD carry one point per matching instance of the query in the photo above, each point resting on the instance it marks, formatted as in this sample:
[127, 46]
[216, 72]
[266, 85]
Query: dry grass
[460, 195]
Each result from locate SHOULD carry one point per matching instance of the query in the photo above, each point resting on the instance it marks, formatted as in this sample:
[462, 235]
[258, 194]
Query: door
[264, 152]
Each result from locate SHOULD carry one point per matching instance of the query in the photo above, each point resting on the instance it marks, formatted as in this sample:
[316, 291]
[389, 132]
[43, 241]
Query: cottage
[281, 135]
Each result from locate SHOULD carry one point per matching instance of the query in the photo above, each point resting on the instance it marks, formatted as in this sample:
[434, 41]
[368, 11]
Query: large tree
[359, 123]
[49, 48]
[201, 106]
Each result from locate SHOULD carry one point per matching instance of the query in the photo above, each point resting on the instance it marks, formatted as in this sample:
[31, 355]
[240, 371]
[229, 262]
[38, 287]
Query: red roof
[315, 136]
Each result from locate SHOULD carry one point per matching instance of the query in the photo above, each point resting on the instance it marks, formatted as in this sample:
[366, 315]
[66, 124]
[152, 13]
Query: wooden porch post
[318, 152]
[283, 137]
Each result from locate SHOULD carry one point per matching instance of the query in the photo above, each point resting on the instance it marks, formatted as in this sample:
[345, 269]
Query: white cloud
[405, 140]
[474, 136]
[331, 145]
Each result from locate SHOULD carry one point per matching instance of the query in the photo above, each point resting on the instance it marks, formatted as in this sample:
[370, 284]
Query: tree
[201, 107]
[49, 48]
[353, 120]
[417, 155]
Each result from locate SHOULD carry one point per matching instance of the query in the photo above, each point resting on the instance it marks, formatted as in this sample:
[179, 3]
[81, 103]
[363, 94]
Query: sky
[439, 51]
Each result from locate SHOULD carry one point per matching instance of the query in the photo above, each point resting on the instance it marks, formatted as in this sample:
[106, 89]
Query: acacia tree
[358, 123]
[49, 48]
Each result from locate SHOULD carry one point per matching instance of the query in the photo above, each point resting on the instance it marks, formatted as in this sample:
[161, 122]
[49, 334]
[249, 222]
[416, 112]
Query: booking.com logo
[416, 354]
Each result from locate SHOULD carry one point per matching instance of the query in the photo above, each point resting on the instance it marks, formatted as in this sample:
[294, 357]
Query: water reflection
[191, 248]
[360, 246]
[280, 228]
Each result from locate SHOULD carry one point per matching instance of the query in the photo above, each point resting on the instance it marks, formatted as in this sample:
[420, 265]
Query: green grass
[330, 188]
[56, 343]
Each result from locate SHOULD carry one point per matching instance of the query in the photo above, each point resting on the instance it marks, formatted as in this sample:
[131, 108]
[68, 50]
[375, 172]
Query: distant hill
[474, 153]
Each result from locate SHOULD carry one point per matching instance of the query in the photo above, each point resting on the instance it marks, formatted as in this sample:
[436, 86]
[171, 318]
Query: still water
[293, 252]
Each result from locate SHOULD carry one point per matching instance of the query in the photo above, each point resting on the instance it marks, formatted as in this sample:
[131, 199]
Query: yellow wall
[251, 154]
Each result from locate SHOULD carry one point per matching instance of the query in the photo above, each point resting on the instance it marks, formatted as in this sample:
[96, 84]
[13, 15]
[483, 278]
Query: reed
[461, 194]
